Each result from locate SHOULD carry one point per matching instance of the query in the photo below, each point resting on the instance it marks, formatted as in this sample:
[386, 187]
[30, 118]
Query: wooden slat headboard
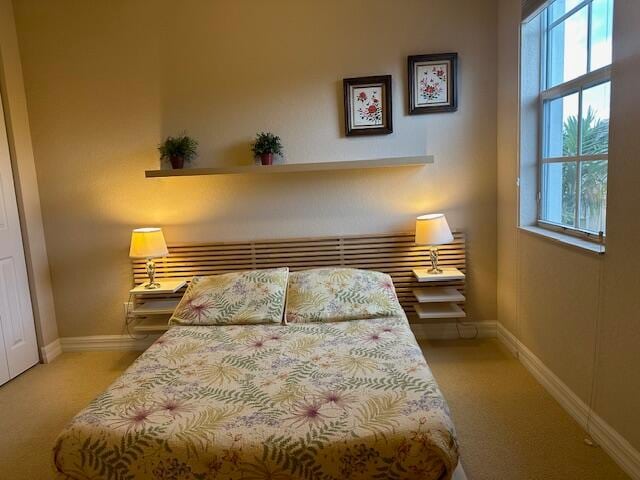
[395, 254]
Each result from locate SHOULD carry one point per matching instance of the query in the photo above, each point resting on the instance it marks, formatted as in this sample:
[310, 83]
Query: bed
[345, 400]
[341, 392]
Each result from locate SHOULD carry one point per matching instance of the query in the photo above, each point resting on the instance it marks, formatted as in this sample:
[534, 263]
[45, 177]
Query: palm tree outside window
[574, 104]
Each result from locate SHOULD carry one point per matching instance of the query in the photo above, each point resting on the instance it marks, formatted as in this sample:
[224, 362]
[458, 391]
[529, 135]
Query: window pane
[595, 119]
[593, 196]
[560, 7]
[567, 54]
[601, 28]
[559, 193]
[561, 127]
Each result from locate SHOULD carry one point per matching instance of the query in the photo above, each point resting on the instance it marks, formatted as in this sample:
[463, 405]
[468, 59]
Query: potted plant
[178, 150]
[266, 146]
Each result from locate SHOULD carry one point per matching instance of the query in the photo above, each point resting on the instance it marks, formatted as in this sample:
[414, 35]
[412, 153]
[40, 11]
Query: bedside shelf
[295, 167]
[439, 310]
[150, 309]
[448, 274]
[155, 307]
[435, 294]
[166, 286]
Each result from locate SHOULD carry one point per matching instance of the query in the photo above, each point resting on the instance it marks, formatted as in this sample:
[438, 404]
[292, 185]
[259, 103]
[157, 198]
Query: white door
[19, 349]
[4, 366]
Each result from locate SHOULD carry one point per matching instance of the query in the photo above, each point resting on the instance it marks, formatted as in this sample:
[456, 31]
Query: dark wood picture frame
[386, 112]
[452, 83]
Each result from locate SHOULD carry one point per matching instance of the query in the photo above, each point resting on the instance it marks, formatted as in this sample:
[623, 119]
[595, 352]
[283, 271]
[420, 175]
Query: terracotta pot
[177, 162]
[266, 158]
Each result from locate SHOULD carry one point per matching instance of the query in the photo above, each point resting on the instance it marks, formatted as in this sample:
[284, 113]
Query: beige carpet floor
[509, 427]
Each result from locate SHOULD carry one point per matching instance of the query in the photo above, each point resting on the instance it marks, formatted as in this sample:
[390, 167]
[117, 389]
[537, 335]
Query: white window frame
[576, 85]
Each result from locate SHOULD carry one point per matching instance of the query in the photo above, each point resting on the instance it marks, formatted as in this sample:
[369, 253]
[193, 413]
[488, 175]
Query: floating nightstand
[439, 302]
[439, 310]
[165, 286]
[438, 294]
[448, 274]
[150, 308]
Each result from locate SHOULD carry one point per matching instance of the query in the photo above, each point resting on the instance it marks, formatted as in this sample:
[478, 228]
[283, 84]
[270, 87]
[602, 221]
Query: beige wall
[106, 81]
[568, 306]
[618, 381]
[507, 151]
[17, 120]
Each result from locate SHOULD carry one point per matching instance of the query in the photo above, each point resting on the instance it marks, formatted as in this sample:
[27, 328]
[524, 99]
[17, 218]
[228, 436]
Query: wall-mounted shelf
[295, 167]
[435, 294]
[166, 286]
[436, 301]
[448, 274]
[156, 307]
[439, 310]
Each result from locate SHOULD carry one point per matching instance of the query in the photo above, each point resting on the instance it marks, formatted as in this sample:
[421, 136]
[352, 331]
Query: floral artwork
[432, 83]
[327, 401]
[367, 103]
[368, 106]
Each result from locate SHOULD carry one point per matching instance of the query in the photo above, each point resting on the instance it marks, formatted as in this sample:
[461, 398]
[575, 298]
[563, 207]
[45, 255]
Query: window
[573, 95]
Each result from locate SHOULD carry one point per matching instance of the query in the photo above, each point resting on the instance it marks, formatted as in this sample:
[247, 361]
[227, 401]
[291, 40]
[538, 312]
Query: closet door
[19, 349]
[4, 366]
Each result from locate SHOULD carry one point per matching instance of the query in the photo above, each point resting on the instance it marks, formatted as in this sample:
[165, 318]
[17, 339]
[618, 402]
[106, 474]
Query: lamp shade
[148, 243]
[432, 229]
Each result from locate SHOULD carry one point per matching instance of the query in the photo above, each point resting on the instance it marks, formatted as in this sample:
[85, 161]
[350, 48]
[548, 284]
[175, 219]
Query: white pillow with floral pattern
[340, 294]
[238, 298]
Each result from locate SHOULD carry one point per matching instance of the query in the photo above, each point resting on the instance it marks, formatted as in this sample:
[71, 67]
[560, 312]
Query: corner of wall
[26, 183]
[507, 158]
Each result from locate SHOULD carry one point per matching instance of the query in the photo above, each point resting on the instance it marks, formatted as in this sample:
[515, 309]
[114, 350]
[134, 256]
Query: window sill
[565, 239]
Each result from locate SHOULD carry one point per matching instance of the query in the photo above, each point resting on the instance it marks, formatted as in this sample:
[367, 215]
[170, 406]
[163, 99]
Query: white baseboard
[106, 342]
[448, 331]
[51, 351]
[610, 440]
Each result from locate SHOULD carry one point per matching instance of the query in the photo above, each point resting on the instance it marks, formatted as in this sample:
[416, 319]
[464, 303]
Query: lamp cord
[596, 349]
[128, 319]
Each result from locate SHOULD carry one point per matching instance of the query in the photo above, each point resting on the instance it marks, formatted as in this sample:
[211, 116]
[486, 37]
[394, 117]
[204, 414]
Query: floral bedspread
[350, 400]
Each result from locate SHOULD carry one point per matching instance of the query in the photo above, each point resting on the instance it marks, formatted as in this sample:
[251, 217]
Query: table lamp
[433, 230]
[148, 243]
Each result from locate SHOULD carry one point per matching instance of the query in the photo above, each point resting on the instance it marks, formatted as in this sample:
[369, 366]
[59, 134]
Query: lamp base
[151, 272]
[434, 270]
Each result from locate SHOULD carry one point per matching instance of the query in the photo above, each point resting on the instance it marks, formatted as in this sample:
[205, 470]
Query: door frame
[12, 93]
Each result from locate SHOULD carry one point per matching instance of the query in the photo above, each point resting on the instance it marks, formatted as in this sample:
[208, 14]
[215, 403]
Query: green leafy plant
[593, 174]
[266, 143]
[181, 146]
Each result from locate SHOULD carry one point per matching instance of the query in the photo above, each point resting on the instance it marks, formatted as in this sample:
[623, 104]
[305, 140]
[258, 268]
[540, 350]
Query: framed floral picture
[433, 83]
[367, 106]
